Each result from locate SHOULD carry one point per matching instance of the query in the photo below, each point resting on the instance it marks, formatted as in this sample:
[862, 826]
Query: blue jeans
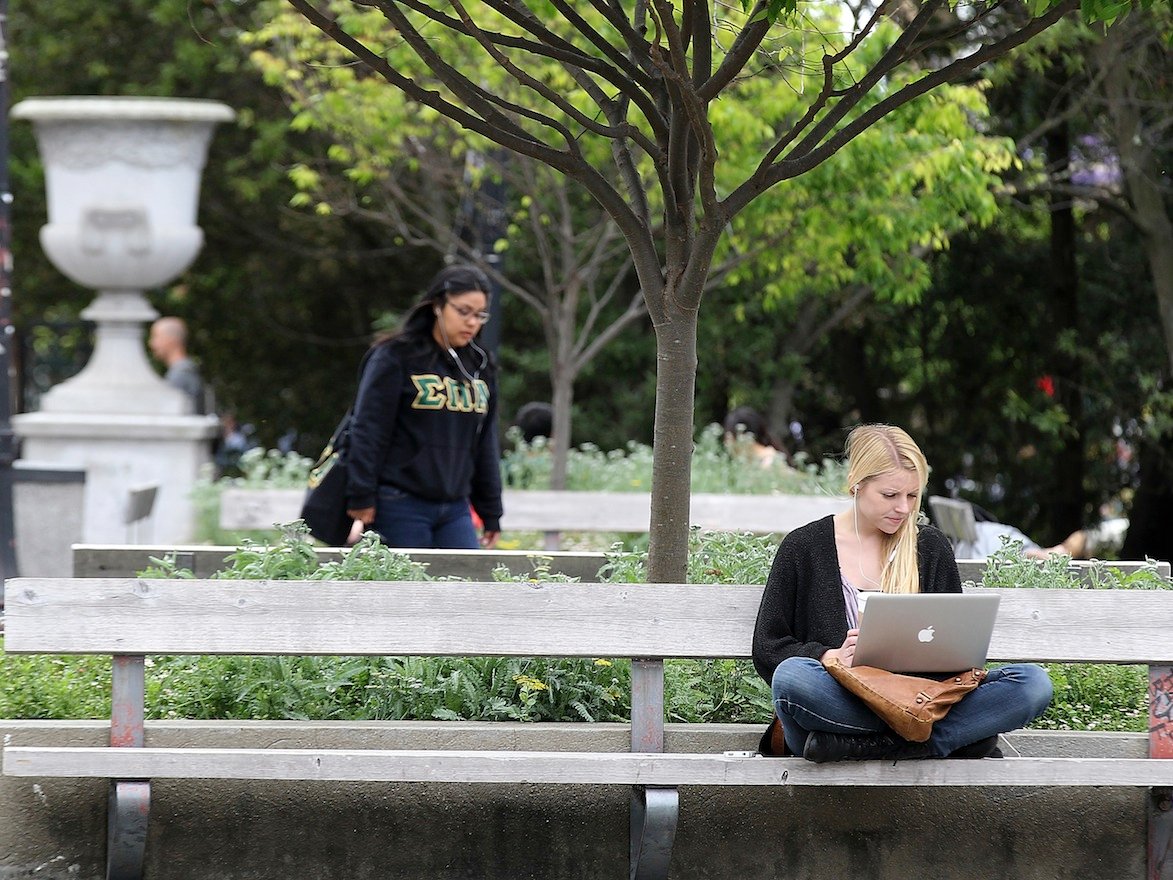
[404, 520]
[807, 698]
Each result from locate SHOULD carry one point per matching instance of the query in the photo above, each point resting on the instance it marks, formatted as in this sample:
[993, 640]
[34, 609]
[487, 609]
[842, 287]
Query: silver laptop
[926, 632]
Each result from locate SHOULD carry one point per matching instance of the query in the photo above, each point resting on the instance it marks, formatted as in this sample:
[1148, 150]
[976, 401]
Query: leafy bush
[495, 688]
[589, 468]
[39, 686]
[259, 469]
[1095, 696]
[1007, 567]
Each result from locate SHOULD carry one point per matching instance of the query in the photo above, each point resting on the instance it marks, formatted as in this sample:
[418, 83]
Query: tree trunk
[563, 384]
[676, 364]
[778, 416]
[1123, 51]
[1149, 534]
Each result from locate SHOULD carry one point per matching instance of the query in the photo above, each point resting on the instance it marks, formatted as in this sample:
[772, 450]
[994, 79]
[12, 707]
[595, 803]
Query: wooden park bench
[131, 619]
[528, 510]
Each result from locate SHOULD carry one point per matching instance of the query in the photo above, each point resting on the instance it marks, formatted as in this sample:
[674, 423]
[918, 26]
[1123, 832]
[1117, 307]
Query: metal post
[7, 334]
[647, 705]
[1160, 806]
[129, 799]
[654, 810]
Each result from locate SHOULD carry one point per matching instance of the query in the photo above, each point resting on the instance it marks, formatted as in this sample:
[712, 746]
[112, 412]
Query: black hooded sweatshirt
[422, 426]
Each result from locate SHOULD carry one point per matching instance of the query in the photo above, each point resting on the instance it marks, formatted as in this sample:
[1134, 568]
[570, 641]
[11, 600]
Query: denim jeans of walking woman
[405, 520]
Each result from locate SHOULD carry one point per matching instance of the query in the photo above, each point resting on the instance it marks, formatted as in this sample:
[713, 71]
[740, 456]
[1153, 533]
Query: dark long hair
[415, 332]
[747, 420]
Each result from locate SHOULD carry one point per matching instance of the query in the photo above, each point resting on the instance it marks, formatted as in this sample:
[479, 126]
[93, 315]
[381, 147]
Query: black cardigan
[802, 612]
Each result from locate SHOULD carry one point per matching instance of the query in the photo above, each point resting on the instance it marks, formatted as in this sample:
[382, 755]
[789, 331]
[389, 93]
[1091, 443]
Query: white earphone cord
[476, 374]
[858, 542]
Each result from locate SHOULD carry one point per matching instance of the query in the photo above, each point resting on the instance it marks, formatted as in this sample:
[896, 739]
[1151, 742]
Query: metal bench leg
[126, 829]
[653, 828]
[130, 799]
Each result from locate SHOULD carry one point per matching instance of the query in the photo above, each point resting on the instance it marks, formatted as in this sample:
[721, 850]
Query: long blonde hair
[873, 450]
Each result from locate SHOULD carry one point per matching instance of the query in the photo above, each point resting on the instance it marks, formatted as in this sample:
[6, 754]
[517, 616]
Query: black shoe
[983, 748]
[822, 747]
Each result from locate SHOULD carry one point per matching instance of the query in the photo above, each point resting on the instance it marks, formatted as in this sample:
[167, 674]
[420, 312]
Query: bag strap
[344, 424]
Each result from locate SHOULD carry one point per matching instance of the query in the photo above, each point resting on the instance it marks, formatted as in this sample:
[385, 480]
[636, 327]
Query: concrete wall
[109, 560]
[47, 503]
[213, 830]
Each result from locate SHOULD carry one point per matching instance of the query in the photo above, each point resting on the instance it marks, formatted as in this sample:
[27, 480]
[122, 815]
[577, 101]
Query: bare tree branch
[788, 167]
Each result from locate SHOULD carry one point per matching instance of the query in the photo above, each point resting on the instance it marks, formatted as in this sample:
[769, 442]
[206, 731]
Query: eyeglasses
[465, 313]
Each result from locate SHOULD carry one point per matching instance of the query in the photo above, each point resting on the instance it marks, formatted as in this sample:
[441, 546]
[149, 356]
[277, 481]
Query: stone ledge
[542, 736]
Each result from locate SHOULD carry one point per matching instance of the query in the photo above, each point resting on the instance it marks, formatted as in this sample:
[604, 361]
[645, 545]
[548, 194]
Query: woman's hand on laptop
[845, 653]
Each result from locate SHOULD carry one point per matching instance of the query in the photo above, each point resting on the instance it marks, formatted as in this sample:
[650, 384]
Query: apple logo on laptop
[926, 634]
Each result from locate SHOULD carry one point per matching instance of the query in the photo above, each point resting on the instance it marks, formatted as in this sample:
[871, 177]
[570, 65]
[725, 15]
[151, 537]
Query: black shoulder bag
[324, 507]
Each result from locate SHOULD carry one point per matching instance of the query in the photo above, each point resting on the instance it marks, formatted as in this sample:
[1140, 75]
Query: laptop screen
[926, 632]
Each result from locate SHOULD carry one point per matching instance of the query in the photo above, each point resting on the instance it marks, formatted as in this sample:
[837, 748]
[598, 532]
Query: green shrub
[39, 686]
[259, 469]
[1007, 568]
[589, 468]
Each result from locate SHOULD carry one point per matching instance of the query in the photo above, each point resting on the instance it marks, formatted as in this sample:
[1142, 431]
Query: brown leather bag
[773, 742]
[906, 703]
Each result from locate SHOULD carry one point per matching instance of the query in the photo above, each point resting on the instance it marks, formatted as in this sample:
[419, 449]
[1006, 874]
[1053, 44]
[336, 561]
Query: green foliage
[40, 686]
[713, 558]
[259, 469]
[715, 690]
[714, 469]
[272, 469]
[1097, 696]
[1007, 567]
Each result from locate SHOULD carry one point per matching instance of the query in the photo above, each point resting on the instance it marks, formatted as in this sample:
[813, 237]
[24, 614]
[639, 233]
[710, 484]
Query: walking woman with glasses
[423, 437]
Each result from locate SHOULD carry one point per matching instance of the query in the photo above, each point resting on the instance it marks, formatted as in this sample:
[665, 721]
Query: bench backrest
[546, 511]
[131, 616]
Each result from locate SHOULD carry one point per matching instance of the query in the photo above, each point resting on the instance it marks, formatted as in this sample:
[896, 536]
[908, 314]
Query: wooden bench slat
[132, 616]
[572, 511]
[1111, 626]
[600, 768]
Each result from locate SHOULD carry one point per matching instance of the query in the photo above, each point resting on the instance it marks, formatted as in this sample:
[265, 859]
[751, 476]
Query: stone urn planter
[122, 179]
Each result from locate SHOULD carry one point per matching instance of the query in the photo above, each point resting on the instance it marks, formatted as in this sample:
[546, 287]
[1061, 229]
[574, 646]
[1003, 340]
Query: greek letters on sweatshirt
[421, 426]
